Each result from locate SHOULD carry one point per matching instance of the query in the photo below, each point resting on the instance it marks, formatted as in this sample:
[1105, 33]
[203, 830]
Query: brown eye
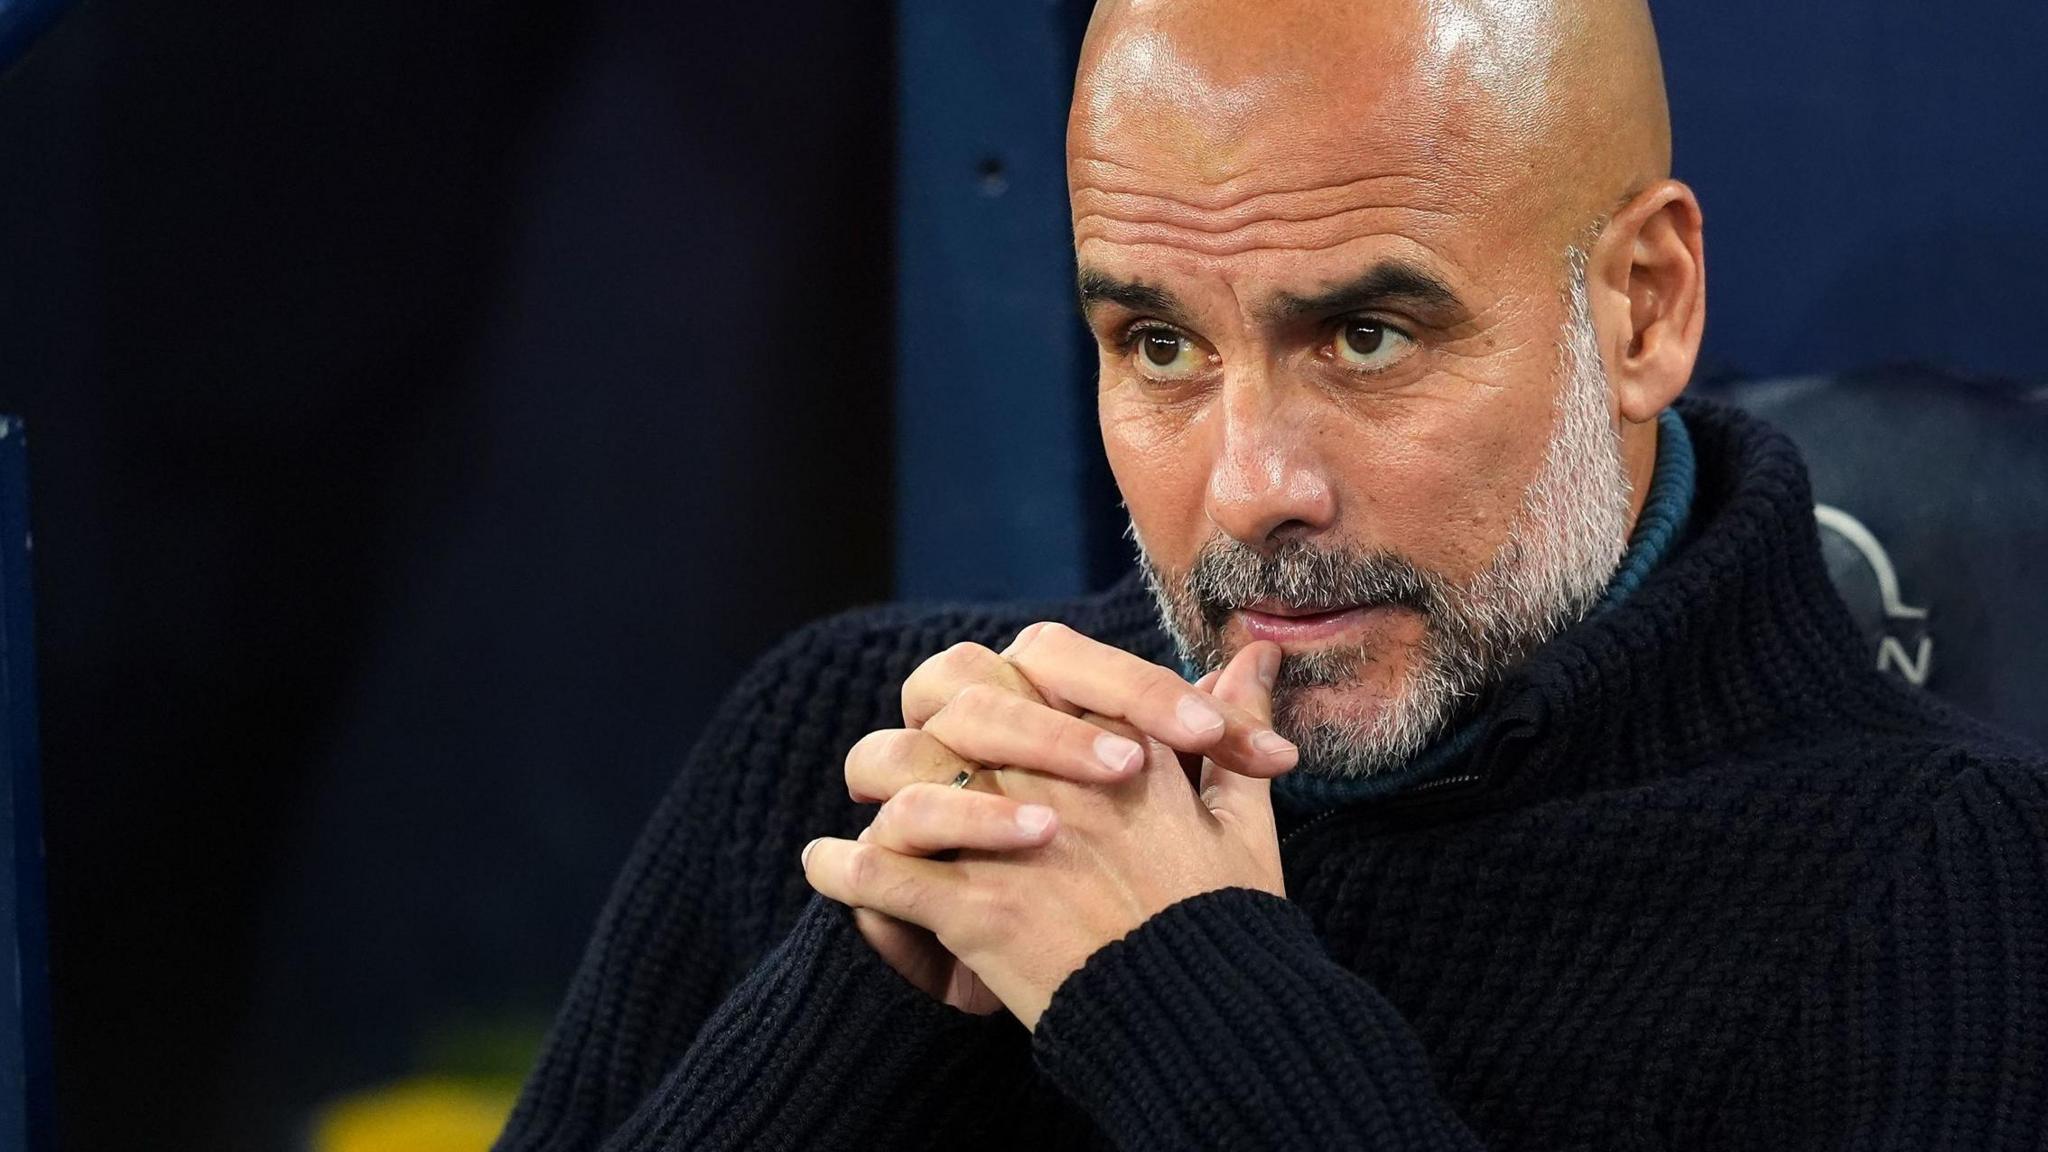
[1363, 337]
[1165, 354]
[1370, 346]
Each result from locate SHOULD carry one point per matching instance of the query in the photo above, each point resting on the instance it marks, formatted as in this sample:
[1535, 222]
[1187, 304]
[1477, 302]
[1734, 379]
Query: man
[1592, 827]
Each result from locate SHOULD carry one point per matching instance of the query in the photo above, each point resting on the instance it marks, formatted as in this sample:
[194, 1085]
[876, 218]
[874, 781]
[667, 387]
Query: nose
[1266, 484]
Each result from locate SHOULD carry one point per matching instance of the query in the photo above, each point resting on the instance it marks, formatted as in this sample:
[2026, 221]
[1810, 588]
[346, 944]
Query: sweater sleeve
[719, 1004]
[1929, 1028]
[823, 1046]
[1223, 1023]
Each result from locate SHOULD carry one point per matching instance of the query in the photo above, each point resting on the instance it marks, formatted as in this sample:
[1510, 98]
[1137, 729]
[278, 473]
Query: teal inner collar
[1662, 523]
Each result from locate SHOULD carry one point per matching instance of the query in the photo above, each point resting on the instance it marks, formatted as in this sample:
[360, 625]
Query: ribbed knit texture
[1667, 509]
[1716, 884]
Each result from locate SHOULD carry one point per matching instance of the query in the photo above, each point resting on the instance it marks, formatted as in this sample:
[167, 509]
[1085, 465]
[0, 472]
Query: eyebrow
[1390, 282]
[1098, 288]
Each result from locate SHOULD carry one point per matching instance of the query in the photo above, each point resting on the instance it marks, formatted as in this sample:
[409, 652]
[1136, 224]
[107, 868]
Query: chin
[1358, 706]
[1359, 728]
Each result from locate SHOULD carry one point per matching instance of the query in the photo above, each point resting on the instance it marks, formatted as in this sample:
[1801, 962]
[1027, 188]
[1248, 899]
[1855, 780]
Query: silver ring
[965, 777]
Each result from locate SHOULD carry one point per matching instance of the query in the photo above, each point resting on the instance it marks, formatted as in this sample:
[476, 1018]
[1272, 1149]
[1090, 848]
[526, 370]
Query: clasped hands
[1122, 790]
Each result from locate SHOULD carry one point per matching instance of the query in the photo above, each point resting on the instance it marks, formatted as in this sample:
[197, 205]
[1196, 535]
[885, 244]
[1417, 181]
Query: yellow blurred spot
[429, 1114]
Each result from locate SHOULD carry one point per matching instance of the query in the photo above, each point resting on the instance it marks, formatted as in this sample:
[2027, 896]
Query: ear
[1648, 282]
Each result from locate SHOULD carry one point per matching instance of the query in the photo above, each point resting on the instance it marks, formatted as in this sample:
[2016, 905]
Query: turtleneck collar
[1737, 632]
[1740, 631]
[1659, 527]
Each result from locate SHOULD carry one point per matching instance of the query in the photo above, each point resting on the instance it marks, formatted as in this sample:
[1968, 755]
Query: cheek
[1458, 497]
[1158, 457]
[1440, 477]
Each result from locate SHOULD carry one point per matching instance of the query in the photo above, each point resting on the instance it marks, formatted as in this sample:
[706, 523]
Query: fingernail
[805, 859]
[1197, 716]
[1118, 754]
[1034, 819]
[1273, 744]
[1269, 668]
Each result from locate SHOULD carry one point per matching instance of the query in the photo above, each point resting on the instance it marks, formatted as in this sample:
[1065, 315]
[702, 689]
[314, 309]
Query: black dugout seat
[1932, 495]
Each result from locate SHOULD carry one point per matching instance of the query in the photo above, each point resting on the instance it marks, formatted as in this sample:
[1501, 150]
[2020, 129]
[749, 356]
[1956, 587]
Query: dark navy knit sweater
[1709, 882]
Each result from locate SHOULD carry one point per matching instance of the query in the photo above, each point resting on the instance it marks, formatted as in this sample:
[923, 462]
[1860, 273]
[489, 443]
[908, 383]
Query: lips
[1292, 626]
[1270, 607]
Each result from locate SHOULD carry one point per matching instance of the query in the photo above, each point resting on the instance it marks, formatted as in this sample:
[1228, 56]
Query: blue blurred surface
[1871, 171]
[25, 970]
[995, 428]
[21, 21]
[1868, 169]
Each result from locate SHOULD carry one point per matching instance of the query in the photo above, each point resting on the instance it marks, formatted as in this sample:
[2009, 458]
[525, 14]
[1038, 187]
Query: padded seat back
[1933, 512]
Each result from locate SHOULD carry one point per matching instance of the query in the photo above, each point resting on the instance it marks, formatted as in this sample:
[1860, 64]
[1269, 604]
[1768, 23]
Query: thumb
[1247, 682]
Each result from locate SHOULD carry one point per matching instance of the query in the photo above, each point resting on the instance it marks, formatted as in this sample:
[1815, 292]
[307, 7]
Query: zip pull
[1307, 824]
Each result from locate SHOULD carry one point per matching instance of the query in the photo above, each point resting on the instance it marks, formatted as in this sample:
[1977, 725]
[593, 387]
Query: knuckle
[860, 868]
[1030, 638]
[978, 699]
[1053, 636]
[1156, 694]
[929, 681]
[868, 761]
[986, 697]
[900, 746]
[902, 892]
[1039, 641]
[966, 658]
[911, 806]
[866, 750]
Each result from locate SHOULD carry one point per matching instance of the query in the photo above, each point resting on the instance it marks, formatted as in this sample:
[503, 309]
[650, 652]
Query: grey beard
[1559, 554]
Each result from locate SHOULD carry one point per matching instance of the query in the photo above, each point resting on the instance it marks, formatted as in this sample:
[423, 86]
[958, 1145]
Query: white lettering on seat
[1914, 666]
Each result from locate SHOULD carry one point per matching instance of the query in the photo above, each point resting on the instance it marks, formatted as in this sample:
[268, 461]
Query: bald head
[1556, 107]
[1388, 294]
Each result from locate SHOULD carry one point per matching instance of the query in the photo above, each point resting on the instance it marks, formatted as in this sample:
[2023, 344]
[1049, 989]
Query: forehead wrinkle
[1257, 237]
[1107, 216]
[1226, 196]
[1110, 253]
[1152, 208]
[1079, 160]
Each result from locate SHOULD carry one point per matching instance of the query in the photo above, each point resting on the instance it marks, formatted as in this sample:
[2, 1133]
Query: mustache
[1229, 575]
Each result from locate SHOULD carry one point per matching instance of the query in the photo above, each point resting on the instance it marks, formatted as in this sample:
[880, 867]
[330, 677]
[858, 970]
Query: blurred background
[433, 407]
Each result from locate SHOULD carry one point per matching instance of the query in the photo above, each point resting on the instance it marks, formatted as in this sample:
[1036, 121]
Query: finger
[908, 949]
[1095, 677]
[926, 819]
[1248, 683]
[884, 763]
[1023, 638]
[991, 726]
[936, 681]
[867, 876]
